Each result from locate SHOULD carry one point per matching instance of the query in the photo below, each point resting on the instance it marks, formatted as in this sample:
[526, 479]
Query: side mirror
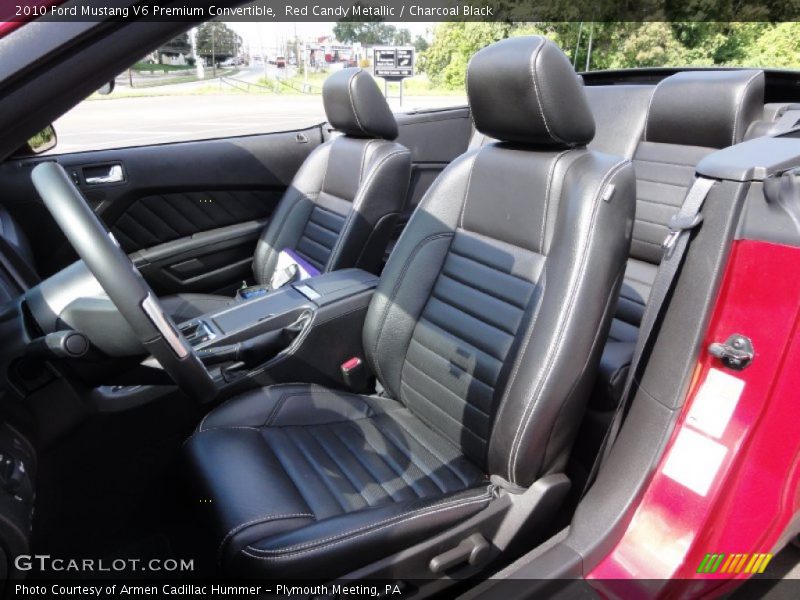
[107, 88]
[43, 141]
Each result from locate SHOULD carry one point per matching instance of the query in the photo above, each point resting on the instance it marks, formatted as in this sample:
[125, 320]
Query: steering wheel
[126, 288]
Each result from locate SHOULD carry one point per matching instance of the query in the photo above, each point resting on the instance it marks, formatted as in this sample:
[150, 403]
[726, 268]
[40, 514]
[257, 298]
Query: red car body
[753, 501]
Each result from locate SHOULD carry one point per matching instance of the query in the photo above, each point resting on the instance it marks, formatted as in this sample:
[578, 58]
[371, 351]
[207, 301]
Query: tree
[364, 32]
[775, 47]
[216, 41]
[420, 44]
[178, 45]
[402, 37]
[445, 61]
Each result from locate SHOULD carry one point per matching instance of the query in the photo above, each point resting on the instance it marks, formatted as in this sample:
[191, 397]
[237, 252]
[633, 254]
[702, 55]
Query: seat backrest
[489, 315]
[340, 208]
[619, 113]
[691, 114]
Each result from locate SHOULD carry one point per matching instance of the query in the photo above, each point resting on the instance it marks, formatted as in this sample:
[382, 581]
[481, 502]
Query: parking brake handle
[258, 349]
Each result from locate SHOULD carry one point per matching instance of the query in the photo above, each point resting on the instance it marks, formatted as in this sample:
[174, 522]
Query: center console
[300, 332]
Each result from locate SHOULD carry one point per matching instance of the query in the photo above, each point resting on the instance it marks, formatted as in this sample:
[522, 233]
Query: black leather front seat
[340, 209]
[485, 332]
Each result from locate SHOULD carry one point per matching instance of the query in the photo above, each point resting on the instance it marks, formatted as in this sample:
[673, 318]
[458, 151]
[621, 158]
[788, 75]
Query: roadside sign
[394, 62]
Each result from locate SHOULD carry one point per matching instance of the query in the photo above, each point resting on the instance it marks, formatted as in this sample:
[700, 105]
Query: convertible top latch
[735, 353]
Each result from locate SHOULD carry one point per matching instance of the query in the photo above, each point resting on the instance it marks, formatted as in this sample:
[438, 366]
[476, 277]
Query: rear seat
[690, 115]
[666, 130]
[619, 113]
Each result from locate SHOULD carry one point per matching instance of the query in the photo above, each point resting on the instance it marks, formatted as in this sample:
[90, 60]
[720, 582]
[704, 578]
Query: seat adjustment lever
[473, 550]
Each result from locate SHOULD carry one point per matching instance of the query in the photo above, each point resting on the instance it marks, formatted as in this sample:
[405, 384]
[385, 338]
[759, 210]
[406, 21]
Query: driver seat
[485, 333]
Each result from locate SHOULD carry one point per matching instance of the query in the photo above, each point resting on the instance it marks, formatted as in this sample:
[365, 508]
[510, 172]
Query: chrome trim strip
[153, 311]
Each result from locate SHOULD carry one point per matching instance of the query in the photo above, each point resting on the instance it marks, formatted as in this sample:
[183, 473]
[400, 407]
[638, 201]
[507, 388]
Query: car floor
[114, 487]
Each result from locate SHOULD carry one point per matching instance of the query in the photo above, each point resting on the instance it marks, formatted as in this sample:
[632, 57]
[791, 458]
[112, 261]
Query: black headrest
[705, 108]
[525, 90]
[355, 105]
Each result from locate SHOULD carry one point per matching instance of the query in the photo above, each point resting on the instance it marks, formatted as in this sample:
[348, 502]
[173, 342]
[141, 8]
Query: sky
[270, 35]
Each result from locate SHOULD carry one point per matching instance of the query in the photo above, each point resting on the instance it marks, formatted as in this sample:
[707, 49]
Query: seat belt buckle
[355, 374]
[677, 225]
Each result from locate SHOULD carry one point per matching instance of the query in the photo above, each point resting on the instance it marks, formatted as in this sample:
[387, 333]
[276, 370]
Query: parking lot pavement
[137, 121]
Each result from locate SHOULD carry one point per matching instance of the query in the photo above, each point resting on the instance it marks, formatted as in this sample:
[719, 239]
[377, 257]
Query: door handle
[114, 175]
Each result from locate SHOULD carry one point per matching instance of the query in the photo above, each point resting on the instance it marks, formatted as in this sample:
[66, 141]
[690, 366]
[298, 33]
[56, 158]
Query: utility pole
[305, 64]
[213, 50]
[577, 47]
[589, 50]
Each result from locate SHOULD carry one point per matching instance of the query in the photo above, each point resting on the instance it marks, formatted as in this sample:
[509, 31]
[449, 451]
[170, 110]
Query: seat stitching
[649, 222]
[226, 403]
[429, 473]
[446, 333]
[264, 519]
[535, 317]
[440, 355]
[649, 106]
[663, 161]
[548, 187]
[396, 289]
[392, 463]
[428, 319]
[659, 182]
[462, 427]
[535, 76]
[736, 114]
[528, 412]
[326, 450]
[499, 272]
[483, 292]
[430, 451]
[466, 189]
[359, 200]
[373, 527]
[321, 475]
[364, 464]
[464, 401]
[352, 102]
[470, 313]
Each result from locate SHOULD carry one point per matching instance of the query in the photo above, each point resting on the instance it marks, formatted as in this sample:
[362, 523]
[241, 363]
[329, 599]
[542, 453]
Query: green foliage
[366, 32]
[178, 45]
[402, 37]
[621, 45]
[217, 39]
[777, 46]
[445, 61]
[421, 44]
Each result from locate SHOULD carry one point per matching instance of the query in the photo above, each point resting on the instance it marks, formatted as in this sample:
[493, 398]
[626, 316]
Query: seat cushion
[303, 480]
[185, 307]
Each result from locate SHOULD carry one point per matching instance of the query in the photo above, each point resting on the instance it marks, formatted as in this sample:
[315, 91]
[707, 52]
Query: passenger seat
[340, 209]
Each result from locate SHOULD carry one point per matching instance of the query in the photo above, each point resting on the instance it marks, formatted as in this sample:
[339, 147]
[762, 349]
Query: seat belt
[675, 246]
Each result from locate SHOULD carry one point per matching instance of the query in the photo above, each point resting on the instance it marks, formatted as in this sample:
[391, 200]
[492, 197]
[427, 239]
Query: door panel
[213, 261]
[190, 212]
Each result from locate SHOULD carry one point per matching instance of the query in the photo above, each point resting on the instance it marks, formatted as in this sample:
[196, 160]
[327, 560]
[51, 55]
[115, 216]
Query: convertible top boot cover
[485, 331]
